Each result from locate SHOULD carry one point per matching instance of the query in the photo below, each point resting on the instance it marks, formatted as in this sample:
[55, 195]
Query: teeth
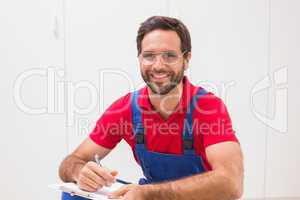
[160, 75]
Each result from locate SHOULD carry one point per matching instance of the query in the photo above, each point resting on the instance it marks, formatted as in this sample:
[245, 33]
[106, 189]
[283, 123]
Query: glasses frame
[162, 60]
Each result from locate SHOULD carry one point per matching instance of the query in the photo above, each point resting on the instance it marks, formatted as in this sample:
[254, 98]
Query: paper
[101, 194]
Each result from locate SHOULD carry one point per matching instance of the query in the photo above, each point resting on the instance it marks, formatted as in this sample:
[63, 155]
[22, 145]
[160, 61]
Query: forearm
[208, 186]
[70, 167]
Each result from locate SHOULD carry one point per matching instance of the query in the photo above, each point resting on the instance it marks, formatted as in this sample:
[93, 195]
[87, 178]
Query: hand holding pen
[97, 159]
[90, 177]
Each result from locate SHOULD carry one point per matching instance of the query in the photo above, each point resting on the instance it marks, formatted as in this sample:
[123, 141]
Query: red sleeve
[215, 123]
[113, 124]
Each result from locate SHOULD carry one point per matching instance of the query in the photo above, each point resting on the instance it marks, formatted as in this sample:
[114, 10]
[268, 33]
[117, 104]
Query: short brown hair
[165, 23]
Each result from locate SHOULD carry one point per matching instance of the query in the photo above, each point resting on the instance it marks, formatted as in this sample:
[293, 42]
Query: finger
[93, 176]
[87, 188]
[120, 192]
[104, 173]
[86, 182]
[112, 172]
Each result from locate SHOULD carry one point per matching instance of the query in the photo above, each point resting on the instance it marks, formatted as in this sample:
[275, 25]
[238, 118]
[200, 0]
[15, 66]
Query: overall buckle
[140, 138]
[188, 144]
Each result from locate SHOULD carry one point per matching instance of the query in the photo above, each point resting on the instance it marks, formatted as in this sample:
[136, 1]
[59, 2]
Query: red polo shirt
[211, 123]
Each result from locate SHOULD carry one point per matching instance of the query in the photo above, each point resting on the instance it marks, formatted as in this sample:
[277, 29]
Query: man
[180, 134]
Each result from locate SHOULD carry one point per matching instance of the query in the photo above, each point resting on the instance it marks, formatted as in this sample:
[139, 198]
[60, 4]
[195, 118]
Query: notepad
[73, 189]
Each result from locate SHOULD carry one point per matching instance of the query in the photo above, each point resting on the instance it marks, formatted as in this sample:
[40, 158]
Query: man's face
[160, 75]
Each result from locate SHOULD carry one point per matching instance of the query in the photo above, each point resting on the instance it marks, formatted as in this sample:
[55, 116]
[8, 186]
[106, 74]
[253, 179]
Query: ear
[187, 60]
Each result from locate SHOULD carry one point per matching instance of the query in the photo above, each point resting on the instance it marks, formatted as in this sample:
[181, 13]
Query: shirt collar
[188, 91]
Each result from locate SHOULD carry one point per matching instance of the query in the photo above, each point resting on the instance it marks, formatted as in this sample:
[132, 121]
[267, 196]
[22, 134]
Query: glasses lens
[148, 58]
[168, 57]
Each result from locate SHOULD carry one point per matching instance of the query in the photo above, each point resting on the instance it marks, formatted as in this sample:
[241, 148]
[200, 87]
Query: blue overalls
[159, 167]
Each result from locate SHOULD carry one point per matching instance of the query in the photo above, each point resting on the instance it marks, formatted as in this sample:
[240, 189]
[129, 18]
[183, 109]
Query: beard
[163, 88]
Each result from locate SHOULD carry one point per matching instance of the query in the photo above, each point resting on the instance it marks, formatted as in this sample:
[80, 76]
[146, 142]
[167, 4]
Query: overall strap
[138, 128]
[188, 138]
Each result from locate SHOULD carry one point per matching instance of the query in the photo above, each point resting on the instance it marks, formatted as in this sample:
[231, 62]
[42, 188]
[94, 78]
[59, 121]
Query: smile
[159, 76]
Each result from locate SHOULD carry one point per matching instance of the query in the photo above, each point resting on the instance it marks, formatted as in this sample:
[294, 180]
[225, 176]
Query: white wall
[31, 145]
[283, 160]
[237, 45]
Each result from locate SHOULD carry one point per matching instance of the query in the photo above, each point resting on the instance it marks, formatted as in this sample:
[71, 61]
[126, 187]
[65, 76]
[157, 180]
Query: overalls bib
[159, 167]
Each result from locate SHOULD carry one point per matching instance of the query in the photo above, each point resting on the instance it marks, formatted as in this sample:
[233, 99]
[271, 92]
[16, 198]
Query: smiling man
[180, 134]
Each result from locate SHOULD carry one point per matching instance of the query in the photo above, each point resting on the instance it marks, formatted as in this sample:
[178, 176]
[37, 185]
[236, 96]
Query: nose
[158, 64]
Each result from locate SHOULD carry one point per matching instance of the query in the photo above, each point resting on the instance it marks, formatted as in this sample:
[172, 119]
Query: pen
[97, 159]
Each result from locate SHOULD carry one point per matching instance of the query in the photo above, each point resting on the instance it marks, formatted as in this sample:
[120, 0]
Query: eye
[148, 56]
[171, 55]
